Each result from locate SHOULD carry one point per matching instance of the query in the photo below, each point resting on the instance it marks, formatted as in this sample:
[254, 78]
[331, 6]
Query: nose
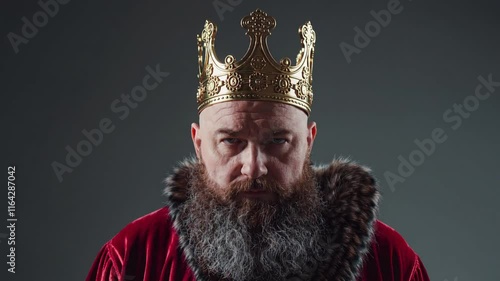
[253, 162]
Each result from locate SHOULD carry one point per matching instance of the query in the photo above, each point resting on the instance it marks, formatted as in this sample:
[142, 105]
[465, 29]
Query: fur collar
[352, 196]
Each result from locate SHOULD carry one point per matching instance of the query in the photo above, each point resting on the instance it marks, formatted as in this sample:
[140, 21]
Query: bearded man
[251, 206]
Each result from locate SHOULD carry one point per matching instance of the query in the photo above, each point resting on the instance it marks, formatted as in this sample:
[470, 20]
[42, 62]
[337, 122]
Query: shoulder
[155, 226]
[154, 223]
[390, 257]
[145, 244]
[390, 240]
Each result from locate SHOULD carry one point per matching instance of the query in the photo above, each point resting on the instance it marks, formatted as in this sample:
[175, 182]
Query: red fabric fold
[148, 249]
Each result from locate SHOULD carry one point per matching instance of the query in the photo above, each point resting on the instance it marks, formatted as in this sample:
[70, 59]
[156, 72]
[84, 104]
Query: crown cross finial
[258, 23]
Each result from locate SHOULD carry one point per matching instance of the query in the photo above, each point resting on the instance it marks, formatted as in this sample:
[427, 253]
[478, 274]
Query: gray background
[372, 110]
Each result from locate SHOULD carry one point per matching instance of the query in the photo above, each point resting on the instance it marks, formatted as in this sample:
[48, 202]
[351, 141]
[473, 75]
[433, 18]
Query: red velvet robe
[149, 248]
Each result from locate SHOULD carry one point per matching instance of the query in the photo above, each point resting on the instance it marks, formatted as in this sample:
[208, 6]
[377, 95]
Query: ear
[311, 134]
[195, 136]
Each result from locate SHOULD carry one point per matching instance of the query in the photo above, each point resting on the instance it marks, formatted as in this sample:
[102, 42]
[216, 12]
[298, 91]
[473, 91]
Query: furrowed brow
[226, 131]
[281, 132]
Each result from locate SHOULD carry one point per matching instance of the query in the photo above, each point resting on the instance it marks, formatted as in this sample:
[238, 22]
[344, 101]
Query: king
[251, 205]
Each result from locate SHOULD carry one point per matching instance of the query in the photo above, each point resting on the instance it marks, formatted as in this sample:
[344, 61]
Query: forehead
[263, 114]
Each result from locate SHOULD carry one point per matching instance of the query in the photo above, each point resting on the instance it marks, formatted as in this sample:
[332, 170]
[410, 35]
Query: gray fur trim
[351, 194]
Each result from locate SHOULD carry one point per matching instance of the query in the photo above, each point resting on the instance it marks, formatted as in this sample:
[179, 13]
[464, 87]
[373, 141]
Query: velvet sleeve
[147, 249]
[391, 258]
[419, 272]
[103, 268]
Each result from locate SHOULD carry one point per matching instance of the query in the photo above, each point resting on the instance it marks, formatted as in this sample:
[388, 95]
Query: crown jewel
[257, 76]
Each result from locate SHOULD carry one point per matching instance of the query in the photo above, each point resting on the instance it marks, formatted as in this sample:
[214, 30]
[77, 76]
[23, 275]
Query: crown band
[257, 76]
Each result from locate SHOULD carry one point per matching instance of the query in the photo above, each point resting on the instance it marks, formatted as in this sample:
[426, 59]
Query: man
[251, 206]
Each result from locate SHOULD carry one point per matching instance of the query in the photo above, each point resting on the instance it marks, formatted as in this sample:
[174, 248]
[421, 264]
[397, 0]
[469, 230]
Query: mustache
[259, 184]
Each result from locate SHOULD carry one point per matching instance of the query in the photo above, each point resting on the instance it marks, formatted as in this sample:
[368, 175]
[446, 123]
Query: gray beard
[255, 240]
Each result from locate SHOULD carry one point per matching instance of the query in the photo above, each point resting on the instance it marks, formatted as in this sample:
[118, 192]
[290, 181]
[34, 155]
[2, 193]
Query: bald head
[273, 111]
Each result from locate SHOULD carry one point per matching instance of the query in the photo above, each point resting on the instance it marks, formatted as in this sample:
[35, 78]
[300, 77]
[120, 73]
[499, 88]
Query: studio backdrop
[410, 89]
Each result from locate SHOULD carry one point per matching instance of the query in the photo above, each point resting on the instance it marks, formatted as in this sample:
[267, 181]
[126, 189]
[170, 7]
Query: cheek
[288, 169]
[219, 168]
[222, 174]
[285, 173]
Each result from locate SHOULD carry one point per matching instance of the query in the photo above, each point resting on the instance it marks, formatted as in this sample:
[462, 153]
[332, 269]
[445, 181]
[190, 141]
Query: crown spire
[257, 76]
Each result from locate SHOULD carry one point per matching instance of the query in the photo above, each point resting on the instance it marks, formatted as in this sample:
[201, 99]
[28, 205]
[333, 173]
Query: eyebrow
[227, 131]
[230, 132]
[281, 132]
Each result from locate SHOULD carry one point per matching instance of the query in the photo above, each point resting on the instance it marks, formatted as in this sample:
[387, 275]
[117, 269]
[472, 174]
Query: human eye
[231, 141]
[279, 140]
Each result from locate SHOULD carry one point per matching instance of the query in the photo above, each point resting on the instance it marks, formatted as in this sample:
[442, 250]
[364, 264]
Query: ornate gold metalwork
[257, 76]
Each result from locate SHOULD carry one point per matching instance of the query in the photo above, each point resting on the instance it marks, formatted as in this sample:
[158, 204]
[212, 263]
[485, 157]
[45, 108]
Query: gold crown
[257, 76]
